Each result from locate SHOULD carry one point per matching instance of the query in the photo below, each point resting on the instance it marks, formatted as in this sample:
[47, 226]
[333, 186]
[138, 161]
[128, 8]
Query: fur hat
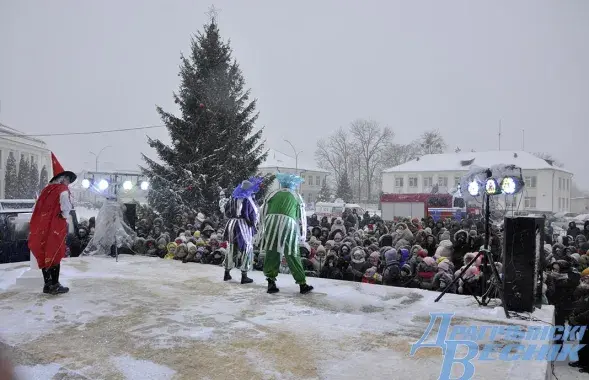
[358, 255]
[428, 231]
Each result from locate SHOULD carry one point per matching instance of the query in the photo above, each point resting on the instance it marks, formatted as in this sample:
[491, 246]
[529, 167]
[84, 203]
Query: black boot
[305, 288]
[272, 286]
[57, 288]
[47, 288]
[245, 279]
[576, 364]
[227, 276]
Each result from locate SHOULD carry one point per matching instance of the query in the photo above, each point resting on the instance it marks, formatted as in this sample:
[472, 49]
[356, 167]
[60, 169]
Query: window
[530, 202]
[1, 164]
[428, 182]
[412, 181]
[399, 182]
[511, 201]
[318, 181]
[530, 182]
[567, 204]
[303, 178]
[443, 181]
[568, 181]
[310, 180]
[309, 199]
[456, 181]
[559, 184]
[560, 203]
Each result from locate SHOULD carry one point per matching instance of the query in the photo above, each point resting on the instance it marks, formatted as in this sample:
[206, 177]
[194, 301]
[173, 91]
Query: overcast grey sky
[456, 66]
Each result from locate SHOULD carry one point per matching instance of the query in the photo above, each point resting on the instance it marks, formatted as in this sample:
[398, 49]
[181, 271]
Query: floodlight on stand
[127, 185]
[511, 185]
[492, 187]
[473, 188]
[144, 185]
[102, 185]
[86, 183]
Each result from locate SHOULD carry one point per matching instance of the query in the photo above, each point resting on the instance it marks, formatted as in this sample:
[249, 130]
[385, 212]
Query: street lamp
[98, 155]
[296, 155]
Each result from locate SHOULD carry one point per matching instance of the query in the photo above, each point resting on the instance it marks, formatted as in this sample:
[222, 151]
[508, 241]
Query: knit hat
[585, 272]
[422, 253]
[196, 234]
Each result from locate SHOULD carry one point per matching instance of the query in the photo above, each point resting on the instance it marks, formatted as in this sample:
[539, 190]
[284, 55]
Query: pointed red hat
[58, 170]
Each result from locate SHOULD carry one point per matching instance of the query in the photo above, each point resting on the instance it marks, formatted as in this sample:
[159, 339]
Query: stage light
[492, 187]
[127, 185]
[473, 188]
[144, 185]
[511, 185]
[102, 185]
[86, 183]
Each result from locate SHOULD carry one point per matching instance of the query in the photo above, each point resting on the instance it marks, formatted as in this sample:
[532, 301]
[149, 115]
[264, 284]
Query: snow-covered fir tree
[33, 180]
[10, 178]
[325, 193]
[22, 181]
[43, 179]
[214, 144]
[344, 189]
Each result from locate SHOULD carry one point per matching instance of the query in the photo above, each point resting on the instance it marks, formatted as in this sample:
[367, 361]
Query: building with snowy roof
[547, 189]
[278, 162]
[15, 143]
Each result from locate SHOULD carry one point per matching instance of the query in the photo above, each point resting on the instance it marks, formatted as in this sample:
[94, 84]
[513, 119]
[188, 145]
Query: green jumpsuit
[284, 226]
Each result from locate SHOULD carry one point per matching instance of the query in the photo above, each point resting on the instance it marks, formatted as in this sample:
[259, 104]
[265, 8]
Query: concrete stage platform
[148, 318]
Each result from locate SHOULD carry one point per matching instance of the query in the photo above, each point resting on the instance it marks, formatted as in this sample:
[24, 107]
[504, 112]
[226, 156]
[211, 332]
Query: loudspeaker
[131, 215]
[523, 253]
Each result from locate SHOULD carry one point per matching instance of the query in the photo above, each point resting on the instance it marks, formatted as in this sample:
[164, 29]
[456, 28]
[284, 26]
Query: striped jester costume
[284, 226]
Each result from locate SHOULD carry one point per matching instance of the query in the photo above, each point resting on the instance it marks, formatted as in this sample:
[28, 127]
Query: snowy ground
[146, 318]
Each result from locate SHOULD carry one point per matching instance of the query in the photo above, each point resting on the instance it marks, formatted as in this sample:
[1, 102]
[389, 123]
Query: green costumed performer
[283, 228]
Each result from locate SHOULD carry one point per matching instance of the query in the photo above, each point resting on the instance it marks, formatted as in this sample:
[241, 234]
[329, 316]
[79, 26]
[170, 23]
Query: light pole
[98, 155]
[296, 155]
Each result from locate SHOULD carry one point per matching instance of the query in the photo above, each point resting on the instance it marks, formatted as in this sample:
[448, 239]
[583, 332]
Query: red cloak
[48, 229]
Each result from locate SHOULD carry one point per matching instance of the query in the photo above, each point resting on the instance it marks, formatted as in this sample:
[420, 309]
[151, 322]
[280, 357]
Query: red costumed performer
[48, 227]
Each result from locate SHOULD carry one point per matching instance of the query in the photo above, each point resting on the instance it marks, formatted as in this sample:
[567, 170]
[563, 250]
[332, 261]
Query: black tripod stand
[496, 286]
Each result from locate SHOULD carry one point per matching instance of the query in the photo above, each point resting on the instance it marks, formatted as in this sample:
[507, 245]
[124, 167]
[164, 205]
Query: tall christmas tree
[43, 179]
[22, 181]
[344, 190]
[213, 142]
[33, 180]
[325, 193]
[10, 178]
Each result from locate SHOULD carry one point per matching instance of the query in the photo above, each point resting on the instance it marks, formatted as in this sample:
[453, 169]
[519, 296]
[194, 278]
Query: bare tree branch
[432, 142]
[372, 141]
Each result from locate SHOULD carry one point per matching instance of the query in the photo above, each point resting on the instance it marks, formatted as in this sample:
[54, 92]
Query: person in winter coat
[426, 270]
[430, 245]
[561, 283]
[314, 222]
[358, 266]
[339, 225]
[474, 241]
[573, 230]
[580, 317]
[48, 227]
[460, 248]
[444, 277]
[586, 230]
[325, 223]
[392, 271]
[331, 270]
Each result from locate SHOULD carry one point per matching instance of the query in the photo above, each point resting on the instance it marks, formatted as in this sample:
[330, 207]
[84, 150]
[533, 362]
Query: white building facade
[278, 162]
[547, 188]
[12, 142]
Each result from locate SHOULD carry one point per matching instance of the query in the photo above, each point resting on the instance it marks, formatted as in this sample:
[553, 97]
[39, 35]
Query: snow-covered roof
[464, 160]
[281, 160]
[5, 130]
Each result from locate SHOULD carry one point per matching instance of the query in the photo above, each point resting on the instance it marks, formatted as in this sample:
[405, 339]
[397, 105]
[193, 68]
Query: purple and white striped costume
[239, 233]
